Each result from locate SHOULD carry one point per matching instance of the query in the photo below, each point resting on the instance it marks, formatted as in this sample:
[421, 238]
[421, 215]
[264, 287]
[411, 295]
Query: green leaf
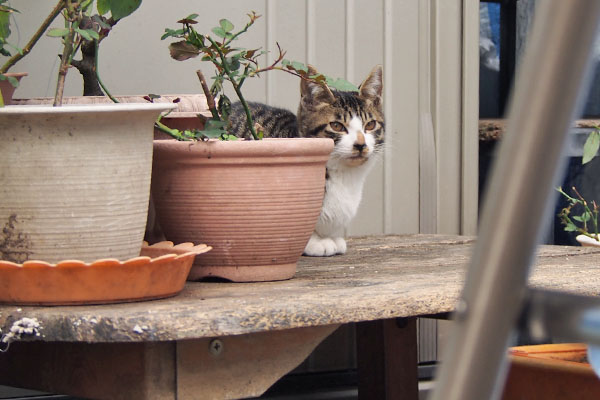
[85, 5]
[58, 32]
[213, 133]
[220, 32]
[570, 227]
[591, 146]
[196, 39]
[582, 218]
[103, 6]
[13, 81]
[171, 33]
[228, 137]
[233, 64]
[342, 85]
[4, 24]
[122, 8]
[101, 22]
[226, 25]
[88, 34]
[299, 66]
[213, 124]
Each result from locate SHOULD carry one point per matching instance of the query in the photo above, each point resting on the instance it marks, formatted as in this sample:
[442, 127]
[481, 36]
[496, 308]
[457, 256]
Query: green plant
[586, 219]
[5, 14]
[234, 65]
[591, 146]
[82, 30]
[5, 46]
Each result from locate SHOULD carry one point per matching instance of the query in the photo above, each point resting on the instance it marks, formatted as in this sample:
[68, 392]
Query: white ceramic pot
[75, 180]
[587, 241]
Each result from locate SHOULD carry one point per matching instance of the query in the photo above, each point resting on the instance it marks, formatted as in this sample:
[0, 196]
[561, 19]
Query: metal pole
[554, 69]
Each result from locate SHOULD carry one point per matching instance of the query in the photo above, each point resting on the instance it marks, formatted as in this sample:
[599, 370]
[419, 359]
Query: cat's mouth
[357, 160]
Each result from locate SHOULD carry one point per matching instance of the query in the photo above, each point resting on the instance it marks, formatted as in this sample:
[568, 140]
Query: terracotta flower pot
[551, 372]
[255, 202]
[7, 88]
[75, 181]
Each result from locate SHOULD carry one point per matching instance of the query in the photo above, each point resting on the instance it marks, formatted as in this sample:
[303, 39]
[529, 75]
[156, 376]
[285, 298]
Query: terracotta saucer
[160, 271]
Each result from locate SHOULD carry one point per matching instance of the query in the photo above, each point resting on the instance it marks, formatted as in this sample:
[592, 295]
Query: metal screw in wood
[216, 347]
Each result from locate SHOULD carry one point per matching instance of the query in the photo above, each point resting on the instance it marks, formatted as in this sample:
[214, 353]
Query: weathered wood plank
[242, 366]
[114, 371]
[380, 277]
[387, 359]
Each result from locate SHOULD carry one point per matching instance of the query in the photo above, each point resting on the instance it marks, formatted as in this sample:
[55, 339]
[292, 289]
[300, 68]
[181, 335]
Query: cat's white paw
[324, 247]
[340, 244]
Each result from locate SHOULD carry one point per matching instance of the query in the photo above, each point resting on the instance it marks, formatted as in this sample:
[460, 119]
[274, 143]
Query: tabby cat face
[354, 120]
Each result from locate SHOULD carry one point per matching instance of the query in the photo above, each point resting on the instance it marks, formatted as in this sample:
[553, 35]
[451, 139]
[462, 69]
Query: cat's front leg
[318, 246]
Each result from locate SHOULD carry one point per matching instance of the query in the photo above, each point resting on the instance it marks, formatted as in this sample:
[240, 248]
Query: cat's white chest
[342, 198]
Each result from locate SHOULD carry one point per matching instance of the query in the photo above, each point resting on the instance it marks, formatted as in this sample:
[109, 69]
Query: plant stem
[235, 36]
[36, 36]
[236, 88]
[595, 219]
[210, 100]
[104, 88]
[163, 128]
[64, 66]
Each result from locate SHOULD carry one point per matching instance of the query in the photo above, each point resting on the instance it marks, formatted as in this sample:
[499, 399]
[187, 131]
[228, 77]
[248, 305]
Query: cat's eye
[337, 126]
[370, 125]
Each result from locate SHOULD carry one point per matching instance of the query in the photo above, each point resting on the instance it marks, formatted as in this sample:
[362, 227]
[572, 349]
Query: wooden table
[226, 340]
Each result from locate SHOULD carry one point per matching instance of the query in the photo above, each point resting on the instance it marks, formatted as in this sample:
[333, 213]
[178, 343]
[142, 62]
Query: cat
[355, 122]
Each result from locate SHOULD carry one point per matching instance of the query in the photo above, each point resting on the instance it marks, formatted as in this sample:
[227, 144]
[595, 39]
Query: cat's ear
[372, 87]
[313, 93]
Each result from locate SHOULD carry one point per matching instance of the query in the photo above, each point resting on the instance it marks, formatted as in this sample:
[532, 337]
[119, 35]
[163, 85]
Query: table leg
[387, 359]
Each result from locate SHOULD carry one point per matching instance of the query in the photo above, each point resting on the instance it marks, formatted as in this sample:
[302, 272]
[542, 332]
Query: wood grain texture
[242, 366]
[380, 277]
[387, 359]
[115, 371]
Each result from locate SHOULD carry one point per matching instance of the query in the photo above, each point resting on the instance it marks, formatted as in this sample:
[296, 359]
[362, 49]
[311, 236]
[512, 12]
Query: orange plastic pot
[551, 372]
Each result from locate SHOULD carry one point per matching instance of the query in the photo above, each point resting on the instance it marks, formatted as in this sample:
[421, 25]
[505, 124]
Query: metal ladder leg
[545, 101]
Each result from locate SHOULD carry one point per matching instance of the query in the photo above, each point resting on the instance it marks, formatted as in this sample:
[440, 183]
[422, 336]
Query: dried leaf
[183, 50]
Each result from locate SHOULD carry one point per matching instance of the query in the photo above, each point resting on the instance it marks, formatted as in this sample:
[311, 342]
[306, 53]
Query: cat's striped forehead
[347, 105]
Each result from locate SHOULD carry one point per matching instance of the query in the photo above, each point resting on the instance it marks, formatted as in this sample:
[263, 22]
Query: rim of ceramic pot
[83, 108]
[189, 105]
[264, 147]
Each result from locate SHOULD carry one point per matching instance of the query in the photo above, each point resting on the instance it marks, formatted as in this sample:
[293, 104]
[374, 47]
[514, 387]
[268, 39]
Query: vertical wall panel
[447, 64]
[364, 49]
[470, 117]
[402, 109]
[289, 30]
[329, 36]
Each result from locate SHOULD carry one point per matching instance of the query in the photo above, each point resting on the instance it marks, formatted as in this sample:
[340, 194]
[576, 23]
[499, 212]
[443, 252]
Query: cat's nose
[359, 143]
[359, 147]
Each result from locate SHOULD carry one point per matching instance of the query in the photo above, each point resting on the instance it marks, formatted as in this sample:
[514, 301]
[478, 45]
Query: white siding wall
[429, 52]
